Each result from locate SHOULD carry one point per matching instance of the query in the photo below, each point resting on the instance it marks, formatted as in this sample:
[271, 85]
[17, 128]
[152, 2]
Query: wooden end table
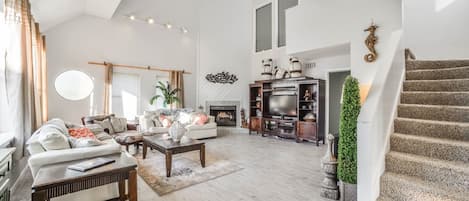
[167, 146]
[56, 180]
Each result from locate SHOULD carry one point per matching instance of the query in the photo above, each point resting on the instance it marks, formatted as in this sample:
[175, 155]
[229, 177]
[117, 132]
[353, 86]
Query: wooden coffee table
[56, 180]
[167, 146]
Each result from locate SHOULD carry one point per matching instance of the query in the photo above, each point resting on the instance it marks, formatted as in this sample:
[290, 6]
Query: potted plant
[347, 157]
[169, 95]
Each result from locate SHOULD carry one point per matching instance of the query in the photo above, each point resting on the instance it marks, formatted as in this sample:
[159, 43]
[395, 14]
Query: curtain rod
[138, 67]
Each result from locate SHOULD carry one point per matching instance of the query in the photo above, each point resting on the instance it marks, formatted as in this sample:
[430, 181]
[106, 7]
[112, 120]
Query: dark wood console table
[56, 180]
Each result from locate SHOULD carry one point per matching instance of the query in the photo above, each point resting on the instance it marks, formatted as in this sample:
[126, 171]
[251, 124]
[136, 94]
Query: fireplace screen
[224, 115]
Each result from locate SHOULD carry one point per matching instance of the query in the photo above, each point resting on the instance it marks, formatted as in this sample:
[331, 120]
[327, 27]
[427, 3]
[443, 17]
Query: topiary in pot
[347, 158]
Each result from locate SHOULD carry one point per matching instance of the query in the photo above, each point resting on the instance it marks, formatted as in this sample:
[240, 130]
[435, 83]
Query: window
[264, 28]
[125, 95]
[283, 5]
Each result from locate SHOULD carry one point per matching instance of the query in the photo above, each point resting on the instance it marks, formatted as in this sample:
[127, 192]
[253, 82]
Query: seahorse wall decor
[370, 43]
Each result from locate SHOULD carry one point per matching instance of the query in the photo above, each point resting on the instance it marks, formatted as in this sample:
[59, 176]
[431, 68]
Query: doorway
[336, 81]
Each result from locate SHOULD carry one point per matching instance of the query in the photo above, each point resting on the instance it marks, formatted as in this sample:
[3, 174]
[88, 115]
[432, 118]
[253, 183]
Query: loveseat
[150, 122]
[48, 145]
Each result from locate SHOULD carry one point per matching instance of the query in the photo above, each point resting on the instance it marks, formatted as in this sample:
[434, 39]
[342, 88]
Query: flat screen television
[284, 105]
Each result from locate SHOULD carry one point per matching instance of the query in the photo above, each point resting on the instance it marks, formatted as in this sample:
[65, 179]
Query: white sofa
[208, 130]
[40, 157]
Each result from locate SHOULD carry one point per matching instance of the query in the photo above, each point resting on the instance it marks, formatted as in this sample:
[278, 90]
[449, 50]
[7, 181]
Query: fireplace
[224, 115]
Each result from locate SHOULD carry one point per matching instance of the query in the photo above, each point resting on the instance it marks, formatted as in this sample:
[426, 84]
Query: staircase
[429, 157]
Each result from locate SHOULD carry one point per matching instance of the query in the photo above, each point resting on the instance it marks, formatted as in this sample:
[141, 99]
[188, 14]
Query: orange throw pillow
[81, 133]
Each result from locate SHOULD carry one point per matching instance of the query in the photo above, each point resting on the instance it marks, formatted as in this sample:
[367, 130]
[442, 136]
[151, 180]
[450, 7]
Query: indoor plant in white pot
[347, 157]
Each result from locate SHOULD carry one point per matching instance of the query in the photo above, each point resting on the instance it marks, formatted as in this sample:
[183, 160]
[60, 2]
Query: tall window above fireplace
[224, 115]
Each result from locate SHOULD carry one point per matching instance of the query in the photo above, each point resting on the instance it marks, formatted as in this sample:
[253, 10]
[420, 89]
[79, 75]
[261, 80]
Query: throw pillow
[166, 121]
[106, 124]
[53, 139]
[200, 119]
[95, 128]
[81, 133]
[84, 142]
[69, 125]
[156, 122]
[184, 117]
[59, 124]
[119, 124]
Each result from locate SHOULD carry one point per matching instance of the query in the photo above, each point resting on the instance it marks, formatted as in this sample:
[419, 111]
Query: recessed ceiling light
[150, 20]
[132, 17]
[168, 25]
[184, 30]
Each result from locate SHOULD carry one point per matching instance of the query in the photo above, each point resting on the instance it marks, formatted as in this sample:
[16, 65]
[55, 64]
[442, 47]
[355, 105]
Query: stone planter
[348, 192]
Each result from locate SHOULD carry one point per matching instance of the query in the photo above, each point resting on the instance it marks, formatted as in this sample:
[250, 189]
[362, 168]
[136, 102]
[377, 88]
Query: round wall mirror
[74, 85]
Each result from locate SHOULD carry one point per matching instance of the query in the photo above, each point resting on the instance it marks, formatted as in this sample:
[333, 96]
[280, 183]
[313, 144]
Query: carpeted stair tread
[444, 149]
[430, 128]
[437, 85]
[400, 187]
[438, 74]
[434, 112]
[450, 173]
[435, 98]
[435, 64]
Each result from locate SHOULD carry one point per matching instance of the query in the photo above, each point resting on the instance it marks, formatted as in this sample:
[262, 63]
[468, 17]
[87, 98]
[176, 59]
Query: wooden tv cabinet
[290, 127]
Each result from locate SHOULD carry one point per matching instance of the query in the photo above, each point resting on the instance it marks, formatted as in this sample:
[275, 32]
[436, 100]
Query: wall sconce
[364, 90]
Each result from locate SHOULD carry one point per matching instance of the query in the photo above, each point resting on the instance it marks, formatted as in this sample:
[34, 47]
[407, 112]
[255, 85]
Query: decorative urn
[295, 67]
[177, 131]
[267, 69]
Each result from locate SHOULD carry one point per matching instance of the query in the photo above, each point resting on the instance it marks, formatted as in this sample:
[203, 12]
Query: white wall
[224, 45]
[437, 29]
[72, 44]
[321, 24]
[278, 54]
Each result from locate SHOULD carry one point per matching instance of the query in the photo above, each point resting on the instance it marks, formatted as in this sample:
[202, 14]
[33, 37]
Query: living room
[234, 100]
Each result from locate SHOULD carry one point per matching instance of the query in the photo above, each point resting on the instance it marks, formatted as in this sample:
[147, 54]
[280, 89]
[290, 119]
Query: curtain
[176, 80]
[24, 73]
[108, 87]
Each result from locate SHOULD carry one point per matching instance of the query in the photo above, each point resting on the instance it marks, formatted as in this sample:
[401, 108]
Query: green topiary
[347, 158]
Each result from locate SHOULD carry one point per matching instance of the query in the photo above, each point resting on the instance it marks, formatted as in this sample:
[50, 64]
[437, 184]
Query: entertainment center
[292, 108]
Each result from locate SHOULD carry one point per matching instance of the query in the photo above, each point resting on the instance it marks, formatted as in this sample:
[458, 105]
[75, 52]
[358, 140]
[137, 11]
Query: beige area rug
[186, 170]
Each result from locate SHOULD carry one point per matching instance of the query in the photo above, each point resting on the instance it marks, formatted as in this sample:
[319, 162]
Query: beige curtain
[176, 80]
[25, 73]
[108, 87]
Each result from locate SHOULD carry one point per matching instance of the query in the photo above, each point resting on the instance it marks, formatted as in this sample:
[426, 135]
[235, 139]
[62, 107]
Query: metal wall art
[370, 43]
[222, 78]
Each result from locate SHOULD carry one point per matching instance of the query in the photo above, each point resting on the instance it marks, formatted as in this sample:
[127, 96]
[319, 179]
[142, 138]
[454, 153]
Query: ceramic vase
[177, 131]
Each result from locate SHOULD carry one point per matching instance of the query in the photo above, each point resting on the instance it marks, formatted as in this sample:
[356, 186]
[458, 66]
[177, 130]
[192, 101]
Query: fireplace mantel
[226, 103]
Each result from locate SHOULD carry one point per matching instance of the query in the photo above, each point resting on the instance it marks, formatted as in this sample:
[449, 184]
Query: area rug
[186, 170]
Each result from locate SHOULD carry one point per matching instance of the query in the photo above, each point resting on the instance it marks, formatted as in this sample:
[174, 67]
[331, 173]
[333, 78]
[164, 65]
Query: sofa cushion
[103, 136]
[35, 148]
[119, 124]
[51, 138]
[158, 130]
[202, 127]
[36, 161]
[128, 137]
[84, 142]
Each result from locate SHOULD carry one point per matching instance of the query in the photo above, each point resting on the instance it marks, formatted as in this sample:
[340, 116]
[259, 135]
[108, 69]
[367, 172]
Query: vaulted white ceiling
[50, 13]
